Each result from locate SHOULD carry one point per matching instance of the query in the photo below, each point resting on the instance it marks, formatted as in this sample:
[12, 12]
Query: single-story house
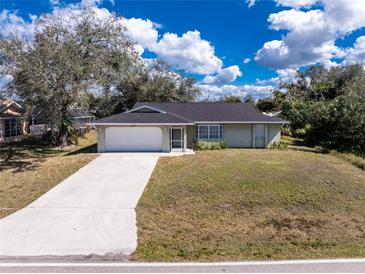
[11, 127]
[175, 126]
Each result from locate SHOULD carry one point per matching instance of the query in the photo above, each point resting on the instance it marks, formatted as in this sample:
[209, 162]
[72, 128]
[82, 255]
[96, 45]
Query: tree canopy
[88, 63]
[327, 106]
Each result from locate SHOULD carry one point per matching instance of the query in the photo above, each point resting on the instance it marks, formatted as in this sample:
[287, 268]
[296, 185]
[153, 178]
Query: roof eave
[188, 124]
[140, 124]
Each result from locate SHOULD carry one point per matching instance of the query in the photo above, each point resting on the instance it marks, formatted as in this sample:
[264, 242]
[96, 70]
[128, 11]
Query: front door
[177, 138]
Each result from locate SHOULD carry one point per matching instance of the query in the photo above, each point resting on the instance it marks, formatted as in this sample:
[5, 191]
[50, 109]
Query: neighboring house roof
[9, 109]
[73, 114]
[189, 113]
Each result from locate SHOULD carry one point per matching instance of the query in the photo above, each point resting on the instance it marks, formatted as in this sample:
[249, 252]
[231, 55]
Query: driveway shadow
[88, 149]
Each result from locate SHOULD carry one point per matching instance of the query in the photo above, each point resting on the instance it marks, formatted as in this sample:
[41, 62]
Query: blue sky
[278, 36]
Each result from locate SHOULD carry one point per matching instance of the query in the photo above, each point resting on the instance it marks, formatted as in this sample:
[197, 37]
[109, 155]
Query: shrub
[279, 145]
[209, 145]
[286, 131]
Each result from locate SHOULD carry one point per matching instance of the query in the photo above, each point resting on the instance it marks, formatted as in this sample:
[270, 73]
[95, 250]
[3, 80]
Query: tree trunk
[63, 135]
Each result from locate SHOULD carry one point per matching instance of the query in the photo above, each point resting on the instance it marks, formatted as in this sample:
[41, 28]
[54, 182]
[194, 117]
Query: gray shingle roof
[144, 118]
[219, 112]
[193, 113]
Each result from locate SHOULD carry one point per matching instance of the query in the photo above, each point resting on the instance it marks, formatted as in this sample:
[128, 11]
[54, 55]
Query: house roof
[189, 113]
[143, 118]
[9, 108]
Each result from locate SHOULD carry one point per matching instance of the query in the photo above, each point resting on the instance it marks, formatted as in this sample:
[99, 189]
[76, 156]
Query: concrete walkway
[91, 212]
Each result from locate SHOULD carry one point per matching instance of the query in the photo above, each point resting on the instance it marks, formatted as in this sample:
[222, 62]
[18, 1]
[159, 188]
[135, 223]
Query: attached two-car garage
[133, 139]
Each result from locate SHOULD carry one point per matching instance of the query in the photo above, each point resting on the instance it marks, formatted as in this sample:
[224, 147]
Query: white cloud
[246, 60]
[311, 35]
[284, 76]
[224, 76]
[298, 21]
[143, 32]
[215, 92]
[54, 2]
[296, 3]
[4, 80]
[91, 3]
[250, 3]
[12, 25]
[188, 52]
[356, 54]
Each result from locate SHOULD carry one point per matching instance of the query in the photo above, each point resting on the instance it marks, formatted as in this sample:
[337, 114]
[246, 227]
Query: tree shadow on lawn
[23, 156]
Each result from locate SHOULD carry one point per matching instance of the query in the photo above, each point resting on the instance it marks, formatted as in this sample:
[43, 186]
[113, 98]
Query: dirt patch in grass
[28, 170]
[252, 204]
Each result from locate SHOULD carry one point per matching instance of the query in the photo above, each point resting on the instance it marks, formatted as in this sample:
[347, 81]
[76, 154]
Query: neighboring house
[39, 122]
[175, 126]
[11, 127]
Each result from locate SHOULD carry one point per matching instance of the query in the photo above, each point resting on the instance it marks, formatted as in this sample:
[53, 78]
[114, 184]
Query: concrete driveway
[91, 212]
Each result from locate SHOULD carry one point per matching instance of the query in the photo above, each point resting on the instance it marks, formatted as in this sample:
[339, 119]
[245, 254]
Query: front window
[12, 128]
[209, 132]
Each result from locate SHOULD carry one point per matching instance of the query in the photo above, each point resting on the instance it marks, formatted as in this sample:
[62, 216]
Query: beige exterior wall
[236, 135]
[273, 134]
[190, 136]
[100, 138]
[243, 135]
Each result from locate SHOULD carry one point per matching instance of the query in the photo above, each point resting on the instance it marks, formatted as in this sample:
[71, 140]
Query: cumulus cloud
[297, 21]
[224, 76]
[311, 35]
[12, 25]
[246, 60]
[215, 92]
[250, 3]
[4, 81]
[283, 76]
[143, 32]
[296, 3]
[188, 52]
[91, 3]
[356, 54]
[54, 2]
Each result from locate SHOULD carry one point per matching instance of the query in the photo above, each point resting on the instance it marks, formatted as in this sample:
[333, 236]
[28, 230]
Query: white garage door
[133, 139]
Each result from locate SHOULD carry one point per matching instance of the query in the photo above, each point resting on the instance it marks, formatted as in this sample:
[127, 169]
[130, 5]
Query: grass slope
[252, 204]
[28, 170]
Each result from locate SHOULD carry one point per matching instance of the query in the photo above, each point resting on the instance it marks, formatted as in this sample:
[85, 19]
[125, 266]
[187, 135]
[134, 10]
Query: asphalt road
[318, 266]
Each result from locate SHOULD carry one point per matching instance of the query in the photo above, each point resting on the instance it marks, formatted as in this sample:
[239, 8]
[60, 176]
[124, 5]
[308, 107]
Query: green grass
[297, 144]
[28, 170]
[252, 204]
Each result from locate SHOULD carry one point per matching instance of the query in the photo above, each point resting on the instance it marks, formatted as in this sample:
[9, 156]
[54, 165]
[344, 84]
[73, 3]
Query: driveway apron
[90, 212]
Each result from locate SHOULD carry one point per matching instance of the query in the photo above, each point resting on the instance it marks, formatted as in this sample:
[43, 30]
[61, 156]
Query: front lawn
[252, 204]
[28, 170]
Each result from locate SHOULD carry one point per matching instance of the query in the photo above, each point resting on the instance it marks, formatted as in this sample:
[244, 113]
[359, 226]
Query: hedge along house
[12, 128]
[175, 126]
